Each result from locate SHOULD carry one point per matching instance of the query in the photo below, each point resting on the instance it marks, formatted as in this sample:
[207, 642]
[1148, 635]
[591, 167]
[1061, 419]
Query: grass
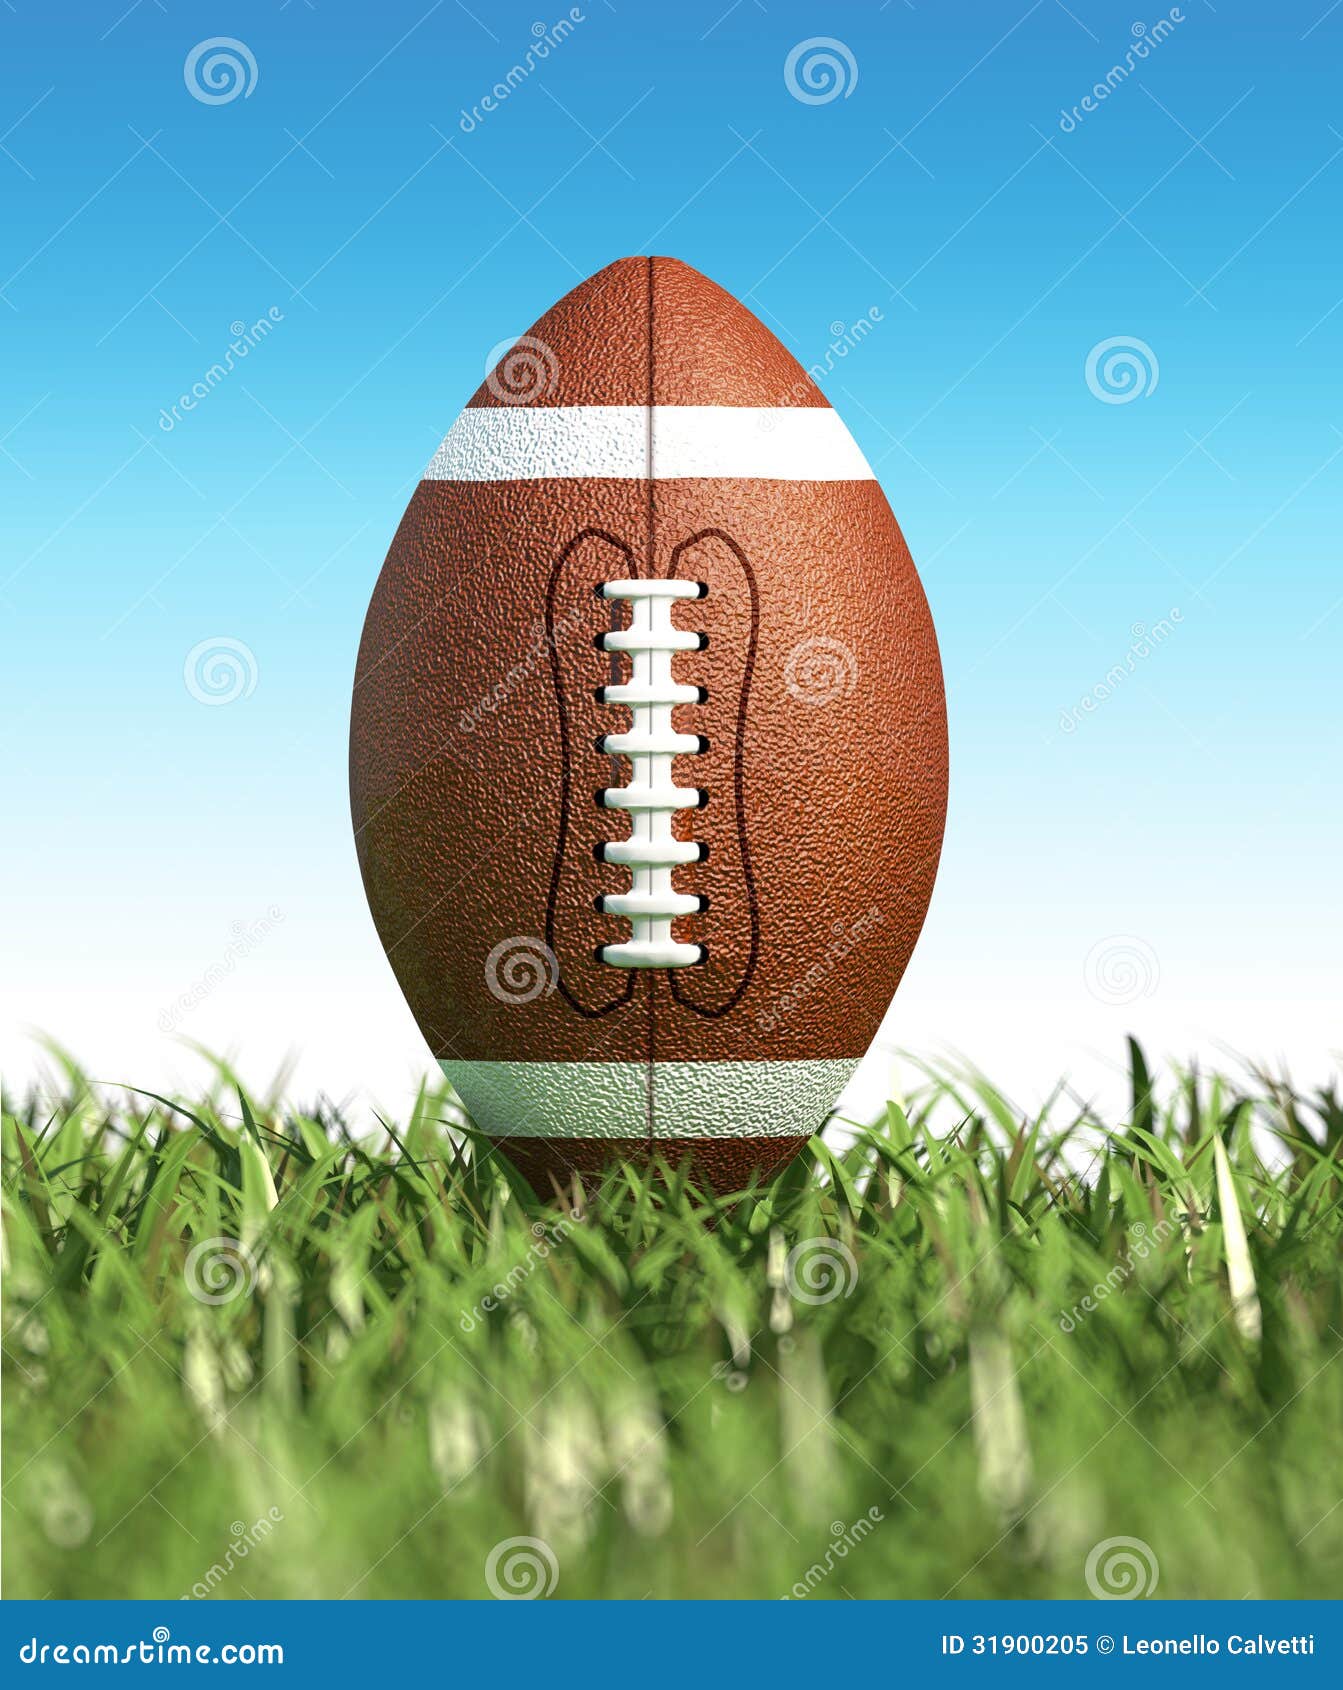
[256, 1352]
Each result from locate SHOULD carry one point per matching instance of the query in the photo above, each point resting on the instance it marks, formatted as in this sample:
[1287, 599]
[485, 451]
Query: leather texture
[550, 1166]
[474, 744]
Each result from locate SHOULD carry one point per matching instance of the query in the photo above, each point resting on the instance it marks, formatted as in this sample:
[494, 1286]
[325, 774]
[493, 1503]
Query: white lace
[650, 795]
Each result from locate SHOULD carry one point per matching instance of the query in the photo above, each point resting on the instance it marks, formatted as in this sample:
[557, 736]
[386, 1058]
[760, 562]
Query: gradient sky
[179, 866]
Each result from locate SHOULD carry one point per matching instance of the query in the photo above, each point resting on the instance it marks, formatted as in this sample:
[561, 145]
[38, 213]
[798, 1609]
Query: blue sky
[1163, 859]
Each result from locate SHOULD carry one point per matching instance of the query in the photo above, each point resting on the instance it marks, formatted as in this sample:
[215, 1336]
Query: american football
[648, 753]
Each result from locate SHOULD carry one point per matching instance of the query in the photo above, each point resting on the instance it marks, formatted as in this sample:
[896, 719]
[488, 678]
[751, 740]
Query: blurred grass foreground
[253, 1352]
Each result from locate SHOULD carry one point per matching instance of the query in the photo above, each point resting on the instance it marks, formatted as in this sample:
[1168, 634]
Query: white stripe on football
[546, 443]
